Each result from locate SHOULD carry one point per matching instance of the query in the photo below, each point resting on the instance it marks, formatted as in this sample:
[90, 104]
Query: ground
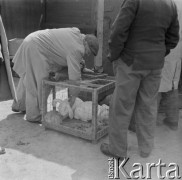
[33, 153]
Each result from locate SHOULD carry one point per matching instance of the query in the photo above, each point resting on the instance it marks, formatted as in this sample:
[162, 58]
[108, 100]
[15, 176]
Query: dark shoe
[17, 110]
[170, 125]
[132, 128]
[35, 120]
[105, 150]
[144, 155]
[2, 150]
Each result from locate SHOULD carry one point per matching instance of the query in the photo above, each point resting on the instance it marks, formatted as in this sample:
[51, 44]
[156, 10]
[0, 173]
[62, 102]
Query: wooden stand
[100, 24]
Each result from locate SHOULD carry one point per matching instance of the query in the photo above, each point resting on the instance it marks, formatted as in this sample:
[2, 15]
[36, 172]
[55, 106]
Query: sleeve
[73, 62]
[172, 34]
[82, 65]
[120, 28]
[4, 41]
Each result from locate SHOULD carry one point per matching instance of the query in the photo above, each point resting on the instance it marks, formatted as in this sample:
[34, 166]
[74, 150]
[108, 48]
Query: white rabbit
[83, 110]
[63, 108]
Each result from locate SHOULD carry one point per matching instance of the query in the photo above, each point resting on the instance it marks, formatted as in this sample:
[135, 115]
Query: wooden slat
[100, 19]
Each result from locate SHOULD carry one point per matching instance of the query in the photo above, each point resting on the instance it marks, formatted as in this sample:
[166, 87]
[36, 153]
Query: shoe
[105, 150]
[144, 155]
[170, 125]
[35, 120]
[132, 128]
[17, 110]
[2, 150]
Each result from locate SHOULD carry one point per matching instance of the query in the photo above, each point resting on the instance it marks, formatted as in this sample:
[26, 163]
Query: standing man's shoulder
[172, 4]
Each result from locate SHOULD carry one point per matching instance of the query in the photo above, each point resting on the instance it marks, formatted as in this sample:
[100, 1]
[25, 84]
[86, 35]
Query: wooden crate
[87, 130]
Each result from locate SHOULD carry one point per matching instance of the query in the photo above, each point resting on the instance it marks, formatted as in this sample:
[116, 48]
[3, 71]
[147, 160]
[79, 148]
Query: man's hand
[1, 60]
[72, 100]
[57, 76]
[73, 93]
[86, 70]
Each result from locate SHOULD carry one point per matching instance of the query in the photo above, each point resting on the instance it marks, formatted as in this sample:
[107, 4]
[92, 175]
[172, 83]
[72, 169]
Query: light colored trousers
[135, 93]
[170, 106]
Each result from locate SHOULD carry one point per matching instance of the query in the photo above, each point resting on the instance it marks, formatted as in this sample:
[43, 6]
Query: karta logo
[117, 168]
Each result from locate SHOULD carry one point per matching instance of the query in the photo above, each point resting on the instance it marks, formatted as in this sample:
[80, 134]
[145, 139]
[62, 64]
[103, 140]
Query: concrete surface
[33, 153]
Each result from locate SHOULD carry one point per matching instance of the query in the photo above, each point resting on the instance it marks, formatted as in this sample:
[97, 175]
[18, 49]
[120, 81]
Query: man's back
[153, 18]
[146, 28]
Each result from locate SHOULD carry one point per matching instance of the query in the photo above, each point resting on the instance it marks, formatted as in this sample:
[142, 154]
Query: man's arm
[83, 67]
[74, 74]
[172, 34]
[120, 28]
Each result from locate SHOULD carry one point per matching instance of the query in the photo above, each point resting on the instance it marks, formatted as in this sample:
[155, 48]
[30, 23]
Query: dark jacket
[144, 32]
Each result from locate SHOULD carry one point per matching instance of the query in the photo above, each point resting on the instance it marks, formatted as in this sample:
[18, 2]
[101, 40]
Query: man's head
[93, 45]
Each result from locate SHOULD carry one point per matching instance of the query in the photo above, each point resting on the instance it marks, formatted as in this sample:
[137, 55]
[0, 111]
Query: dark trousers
[135, 94]
[5, 91]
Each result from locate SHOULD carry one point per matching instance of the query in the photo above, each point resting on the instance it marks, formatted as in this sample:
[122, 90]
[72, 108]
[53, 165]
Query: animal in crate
[81, 110]
[63, 111]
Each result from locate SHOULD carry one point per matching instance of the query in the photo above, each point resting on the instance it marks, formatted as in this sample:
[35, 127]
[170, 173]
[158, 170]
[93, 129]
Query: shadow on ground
[81, 157]
[35, 153]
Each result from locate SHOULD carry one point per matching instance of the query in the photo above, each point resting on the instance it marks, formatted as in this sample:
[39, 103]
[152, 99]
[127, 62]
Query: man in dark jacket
[142, 34]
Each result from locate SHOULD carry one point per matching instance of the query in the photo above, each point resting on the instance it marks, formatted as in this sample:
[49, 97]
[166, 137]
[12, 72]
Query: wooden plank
[100, 19]
[43, 14]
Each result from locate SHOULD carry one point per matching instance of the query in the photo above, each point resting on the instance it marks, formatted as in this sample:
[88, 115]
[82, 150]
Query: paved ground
[33, 153]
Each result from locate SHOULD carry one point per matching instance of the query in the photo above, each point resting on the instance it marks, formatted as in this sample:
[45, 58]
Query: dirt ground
[33, 153]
